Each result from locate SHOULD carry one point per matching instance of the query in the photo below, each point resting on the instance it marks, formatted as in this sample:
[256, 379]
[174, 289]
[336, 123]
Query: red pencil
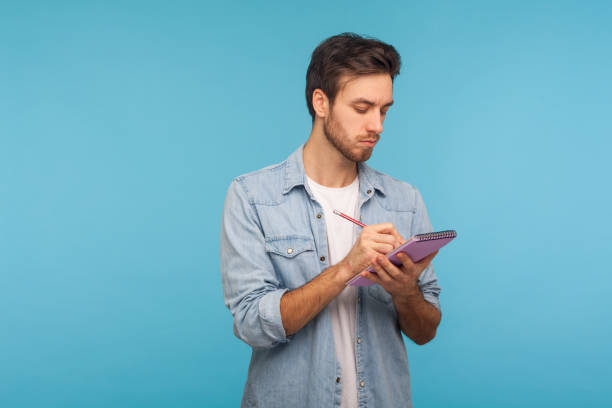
[349, 218]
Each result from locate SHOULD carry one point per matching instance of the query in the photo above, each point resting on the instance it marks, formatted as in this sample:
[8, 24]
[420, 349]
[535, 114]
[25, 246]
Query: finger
[408, 265]
[388, 228]
[383, 226]
[380, 271]
[372, 235]
[371, 276]
[387, 239]
[398, 236]
[382, 249]
[406, 260]
[393, 271]
[381, 237]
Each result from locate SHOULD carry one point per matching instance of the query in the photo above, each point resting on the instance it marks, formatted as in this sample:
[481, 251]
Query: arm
[251, 288]
[419, 315]
[301, 305]
[418, 319]
[264, 311]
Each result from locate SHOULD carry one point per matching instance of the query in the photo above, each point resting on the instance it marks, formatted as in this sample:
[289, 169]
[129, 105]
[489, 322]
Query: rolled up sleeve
[428, 281]
[251, 288]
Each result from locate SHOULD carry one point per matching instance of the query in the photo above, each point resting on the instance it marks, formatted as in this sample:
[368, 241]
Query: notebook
[417, 248]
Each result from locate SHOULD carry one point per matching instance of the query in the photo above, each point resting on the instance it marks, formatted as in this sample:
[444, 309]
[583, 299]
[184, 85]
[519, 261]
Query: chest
[296, 232]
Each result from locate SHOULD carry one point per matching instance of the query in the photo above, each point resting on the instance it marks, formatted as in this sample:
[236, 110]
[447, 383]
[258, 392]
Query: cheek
[354, 126]
[353, 130]
[350, 123]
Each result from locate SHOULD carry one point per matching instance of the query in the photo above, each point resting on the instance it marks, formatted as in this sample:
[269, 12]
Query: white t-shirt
[341, 235]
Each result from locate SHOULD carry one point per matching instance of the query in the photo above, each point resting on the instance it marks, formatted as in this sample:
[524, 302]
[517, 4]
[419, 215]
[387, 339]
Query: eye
[360, 109]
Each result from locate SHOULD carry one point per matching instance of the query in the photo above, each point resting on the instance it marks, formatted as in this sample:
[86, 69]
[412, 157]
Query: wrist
[407, 298]
[343, 271]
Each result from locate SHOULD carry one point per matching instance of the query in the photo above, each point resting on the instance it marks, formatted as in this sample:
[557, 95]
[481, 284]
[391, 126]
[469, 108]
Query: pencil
[349, 218]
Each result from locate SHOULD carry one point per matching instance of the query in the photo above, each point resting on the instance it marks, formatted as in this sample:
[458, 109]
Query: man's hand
[400, 282]
[417, 318]
[299, 306]
[375, 239]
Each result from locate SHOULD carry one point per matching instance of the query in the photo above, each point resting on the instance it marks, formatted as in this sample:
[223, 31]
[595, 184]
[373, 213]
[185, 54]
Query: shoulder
[391, 183]
[396, 192]
[263, 186]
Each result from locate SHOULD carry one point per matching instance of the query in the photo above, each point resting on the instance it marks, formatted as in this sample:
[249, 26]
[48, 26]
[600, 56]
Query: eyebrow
[370, 103]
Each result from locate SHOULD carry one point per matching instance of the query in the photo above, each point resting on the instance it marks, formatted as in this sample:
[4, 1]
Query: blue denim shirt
[266, 213]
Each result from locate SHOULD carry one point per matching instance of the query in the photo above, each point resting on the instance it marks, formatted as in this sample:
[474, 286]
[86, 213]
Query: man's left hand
[400, 282]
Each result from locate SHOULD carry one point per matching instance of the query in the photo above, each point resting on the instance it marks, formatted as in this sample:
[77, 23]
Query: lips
[369, 142]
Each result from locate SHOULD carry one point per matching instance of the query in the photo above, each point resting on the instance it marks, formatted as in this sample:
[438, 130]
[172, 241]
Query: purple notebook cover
[417, 248]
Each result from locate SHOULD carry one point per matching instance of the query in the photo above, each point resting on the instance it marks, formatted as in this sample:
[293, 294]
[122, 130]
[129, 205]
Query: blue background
[122, 125]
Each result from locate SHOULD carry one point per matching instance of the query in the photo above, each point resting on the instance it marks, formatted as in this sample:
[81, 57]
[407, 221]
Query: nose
[375, 122]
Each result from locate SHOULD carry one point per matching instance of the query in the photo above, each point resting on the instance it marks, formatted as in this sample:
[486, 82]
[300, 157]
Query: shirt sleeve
[251, 289]
[428, 281]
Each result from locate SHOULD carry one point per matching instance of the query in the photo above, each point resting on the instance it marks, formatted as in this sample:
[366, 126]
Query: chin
[363, 155]
[366, 157]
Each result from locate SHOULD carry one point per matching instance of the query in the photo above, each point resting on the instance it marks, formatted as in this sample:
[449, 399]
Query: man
[286, 258]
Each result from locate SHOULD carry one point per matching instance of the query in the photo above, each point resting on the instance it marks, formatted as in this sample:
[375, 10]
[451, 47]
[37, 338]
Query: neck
[324, 164]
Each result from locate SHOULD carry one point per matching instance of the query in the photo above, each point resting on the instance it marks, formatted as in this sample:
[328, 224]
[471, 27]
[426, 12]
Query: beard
[337, 136]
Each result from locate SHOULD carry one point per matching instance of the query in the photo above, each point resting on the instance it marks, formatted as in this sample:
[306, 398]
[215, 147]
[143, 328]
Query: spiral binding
[436, 235]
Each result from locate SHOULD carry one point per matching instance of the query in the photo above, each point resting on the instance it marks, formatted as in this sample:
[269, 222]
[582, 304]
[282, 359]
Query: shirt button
[362, 384]
[319, 215]
[337, 379]
[369, 191]
[358, 340]
[322, 259]
[289, 251]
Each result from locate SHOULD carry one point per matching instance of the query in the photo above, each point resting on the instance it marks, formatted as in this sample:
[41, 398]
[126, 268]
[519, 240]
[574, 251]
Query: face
[355, 120]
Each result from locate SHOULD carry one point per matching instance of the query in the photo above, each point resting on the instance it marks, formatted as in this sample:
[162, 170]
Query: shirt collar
[296, 176]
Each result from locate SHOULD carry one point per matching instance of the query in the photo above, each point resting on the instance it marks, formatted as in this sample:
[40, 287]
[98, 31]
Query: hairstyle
[347, 54]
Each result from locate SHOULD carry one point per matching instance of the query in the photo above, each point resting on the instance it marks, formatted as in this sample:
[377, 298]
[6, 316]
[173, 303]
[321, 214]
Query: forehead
[377, 88]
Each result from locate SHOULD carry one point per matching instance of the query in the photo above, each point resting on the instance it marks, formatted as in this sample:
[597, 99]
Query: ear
[320, 103]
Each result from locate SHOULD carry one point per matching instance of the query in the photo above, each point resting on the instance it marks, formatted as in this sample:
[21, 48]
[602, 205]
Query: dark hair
[347, 54]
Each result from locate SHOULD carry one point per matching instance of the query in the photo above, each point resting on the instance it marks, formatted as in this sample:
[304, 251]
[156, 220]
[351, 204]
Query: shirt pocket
[293, 258]
[401, 215]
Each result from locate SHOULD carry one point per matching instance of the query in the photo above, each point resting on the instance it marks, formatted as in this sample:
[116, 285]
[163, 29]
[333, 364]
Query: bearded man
[286, 257]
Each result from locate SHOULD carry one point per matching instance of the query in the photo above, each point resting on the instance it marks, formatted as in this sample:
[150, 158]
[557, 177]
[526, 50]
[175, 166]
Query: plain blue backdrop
[122, 125]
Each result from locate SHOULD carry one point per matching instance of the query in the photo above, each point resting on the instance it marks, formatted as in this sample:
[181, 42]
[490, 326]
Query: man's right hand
[374, 239]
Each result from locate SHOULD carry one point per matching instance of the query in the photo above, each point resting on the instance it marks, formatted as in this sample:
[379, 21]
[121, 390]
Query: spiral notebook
[417, 248]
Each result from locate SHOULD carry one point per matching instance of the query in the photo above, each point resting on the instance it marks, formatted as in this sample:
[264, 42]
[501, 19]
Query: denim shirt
[273, 239]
